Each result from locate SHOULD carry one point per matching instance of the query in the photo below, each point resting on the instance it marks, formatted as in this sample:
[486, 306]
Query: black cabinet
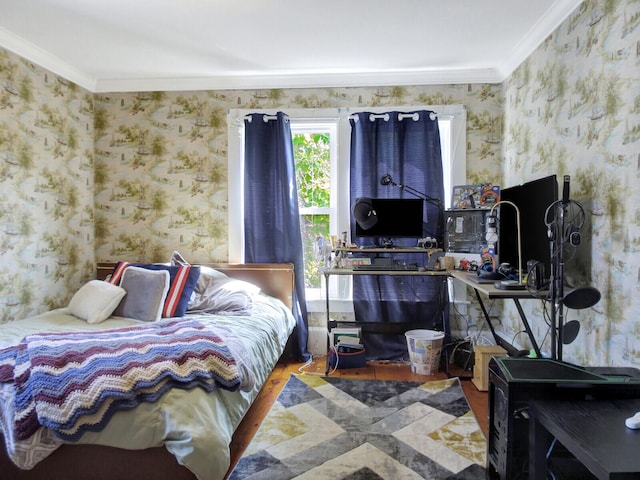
[514, 382]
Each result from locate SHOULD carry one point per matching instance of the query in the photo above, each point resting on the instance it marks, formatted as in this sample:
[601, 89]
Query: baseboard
[317, 342]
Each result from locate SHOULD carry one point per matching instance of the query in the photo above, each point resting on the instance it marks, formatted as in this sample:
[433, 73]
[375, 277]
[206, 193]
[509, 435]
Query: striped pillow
[183, 280]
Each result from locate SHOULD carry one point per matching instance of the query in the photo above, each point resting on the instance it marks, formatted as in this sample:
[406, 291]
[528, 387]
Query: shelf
[388, 250]
[397, 328]
[405, 273]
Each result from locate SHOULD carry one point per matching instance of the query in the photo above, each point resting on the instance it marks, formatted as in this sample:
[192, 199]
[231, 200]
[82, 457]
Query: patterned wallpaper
[158, 170]
[46, 188]
[573, 108]
[134, 176]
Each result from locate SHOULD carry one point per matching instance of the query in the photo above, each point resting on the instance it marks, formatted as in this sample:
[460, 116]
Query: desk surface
[488, 288]
[407, 273]
[391, 250]
[594, 432]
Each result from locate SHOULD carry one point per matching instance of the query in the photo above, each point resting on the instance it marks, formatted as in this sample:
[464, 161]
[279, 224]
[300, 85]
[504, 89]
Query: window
[322, 208]
[312, 150]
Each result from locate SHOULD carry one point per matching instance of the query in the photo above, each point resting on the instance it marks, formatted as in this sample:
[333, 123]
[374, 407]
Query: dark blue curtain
[271, 217]
[407, 147]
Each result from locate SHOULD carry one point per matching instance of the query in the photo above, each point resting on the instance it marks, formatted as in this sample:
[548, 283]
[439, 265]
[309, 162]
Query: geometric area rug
[349, 429]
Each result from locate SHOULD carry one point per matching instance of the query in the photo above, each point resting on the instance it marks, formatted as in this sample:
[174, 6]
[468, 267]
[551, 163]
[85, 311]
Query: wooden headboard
[275, 279]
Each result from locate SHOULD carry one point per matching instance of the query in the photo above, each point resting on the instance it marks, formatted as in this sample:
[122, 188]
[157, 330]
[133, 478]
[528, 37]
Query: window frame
[330, 127]
[455, 115]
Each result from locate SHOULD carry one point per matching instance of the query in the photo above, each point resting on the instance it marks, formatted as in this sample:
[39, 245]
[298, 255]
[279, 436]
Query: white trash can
[424, 348]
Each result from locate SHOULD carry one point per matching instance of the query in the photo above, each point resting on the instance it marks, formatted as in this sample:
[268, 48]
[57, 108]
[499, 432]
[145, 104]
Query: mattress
[195, 426]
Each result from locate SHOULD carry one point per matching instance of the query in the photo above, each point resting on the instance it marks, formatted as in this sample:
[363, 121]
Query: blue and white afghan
[73, 383]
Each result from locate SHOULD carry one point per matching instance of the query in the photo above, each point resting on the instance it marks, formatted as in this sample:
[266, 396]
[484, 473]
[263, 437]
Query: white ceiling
[142, 45]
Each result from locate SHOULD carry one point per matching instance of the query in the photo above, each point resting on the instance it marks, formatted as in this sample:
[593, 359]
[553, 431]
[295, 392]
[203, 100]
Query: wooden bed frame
[275, 279]
[97, 462]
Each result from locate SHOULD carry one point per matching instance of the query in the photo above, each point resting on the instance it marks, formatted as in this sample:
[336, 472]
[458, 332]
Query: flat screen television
[397, 218]
[532, 199]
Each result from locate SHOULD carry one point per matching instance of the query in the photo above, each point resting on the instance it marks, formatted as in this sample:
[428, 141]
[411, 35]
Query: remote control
[633, 422]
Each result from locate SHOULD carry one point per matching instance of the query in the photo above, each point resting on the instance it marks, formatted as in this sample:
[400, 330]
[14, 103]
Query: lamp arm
[518, 228]
[419, 194]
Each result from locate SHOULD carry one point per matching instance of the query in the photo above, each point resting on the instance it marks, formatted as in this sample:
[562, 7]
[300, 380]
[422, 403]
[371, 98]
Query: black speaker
[536, 275]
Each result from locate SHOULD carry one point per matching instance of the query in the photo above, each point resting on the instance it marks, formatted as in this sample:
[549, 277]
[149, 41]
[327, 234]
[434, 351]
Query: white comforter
[195, 426]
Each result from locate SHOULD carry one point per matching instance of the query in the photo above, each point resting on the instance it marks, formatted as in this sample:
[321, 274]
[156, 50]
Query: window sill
[336, 305]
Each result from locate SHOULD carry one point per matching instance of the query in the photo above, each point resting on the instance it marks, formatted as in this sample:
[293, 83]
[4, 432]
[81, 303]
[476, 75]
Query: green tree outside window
[313, 168]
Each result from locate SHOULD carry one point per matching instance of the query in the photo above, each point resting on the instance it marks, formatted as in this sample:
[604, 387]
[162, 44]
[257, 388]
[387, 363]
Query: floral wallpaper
[46, 188]
[101, 177]
[146, 173]
[161, 159]
[573, 108]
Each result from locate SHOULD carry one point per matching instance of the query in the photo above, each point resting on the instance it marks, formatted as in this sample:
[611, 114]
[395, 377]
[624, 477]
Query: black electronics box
[465, 230]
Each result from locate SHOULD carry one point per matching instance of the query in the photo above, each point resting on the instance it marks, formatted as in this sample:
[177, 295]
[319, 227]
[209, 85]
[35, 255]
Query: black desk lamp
[364, 213]
[387, 180]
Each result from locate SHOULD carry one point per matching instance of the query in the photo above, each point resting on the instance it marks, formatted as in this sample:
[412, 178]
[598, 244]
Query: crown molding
[549, 22]
[325, 80]
[42, 58]
[556, 14]
[52, 63]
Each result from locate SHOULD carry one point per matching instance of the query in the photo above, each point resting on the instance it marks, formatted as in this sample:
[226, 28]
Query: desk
[492, 293]
[592, 430]
[516, 382]
[380, 328]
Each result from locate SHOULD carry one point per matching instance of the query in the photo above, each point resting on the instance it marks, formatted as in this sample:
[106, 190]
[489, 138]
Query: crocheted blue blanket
[74, 382]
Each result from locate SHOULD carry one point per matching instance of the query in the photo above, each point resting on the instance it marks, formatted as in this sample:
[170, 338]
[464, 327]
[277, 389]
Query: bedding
[182, 281]
[72, 382]
[146, 291]
[219, 293]
[96, 300]
[193, 424]
[216, 291]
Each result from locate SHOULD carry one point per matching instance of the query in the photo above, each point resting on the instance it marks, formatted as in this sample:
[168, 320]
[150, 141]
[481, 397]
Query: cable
[553, 444]
[337, 357]
[302, 367]
[517, 333]
[306, 364]
[468, 323]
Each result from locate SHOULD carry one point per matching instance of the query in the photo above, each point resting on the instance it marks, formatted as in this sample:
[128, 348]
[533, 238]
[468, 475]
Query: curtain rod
[266, 118]
[415, 116]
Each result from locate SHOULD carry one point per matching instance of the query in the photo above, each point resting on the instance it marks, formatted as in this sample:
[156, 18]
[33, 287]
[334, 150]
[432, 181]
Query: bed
[186, 433]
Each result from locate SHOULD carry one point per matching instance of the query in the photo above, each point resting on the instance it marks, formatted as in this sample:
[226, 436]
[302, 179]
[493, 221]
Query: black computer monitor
[397, 218]
[532, 199]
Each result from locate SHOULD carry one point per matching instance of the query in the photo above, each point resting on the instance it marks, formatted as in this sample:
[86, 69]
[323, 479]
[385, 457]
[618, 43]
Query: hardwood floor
[379, 370]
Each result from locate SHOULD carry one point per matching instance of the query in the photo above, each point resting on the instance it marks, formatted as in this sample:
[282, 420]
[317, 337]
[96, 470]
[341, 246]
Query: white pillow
[95, 301]
[218, 293]
[207, 274]
[146, 291]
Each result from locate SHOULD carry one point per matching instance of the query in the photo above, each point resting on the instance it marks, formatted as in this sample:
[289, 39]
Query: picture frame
[466, 196]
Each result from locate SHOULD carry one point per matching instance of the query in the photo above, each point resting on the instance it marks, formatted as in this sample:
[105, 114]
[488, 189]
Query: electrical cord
[469, 325]
[305, 365]
[337, 357]
[513, 340]
[302, 367]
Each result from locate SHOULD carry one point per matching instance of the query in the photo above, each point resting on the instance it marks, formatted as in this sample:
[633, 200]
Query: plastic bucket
[424, 348]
